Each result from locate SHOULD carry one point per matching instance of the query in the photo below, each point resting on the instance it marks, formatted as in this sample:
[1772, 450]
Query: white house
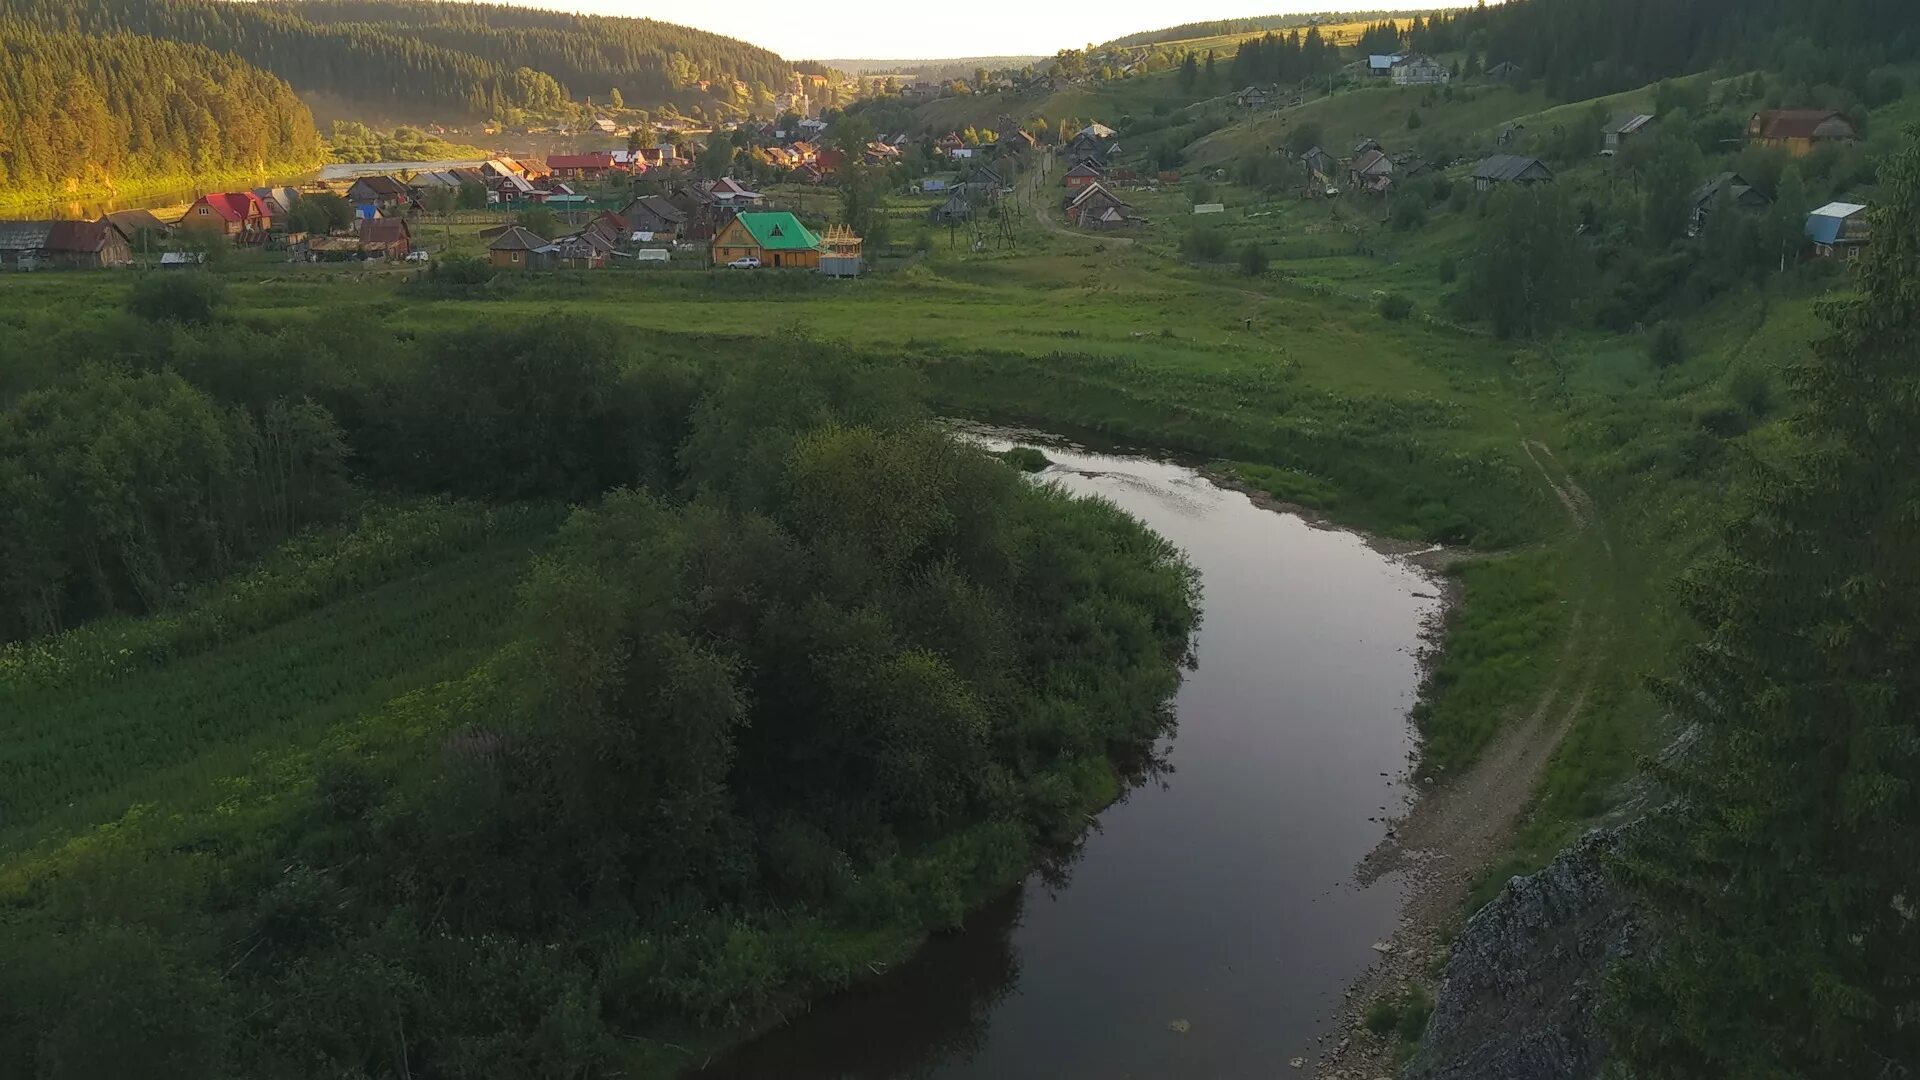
[1421, 71]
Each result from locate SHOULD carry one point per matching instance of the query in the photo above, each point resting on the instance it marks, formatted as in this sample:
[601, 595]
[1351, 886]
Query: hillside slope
[467, 59]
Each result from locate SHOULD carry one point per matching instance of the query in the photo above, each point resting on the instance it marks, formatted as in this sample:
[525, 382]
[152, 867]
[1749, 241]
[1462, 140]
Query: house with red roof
[592, 166]
[388, 237]
[241, 215]
[1799, 131]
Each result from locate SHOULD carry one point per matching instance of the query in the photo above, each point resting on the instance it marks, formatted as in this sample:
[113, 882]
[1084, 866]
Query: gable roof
[1730, 182]
[130, 222]
[380, 185]
[1098, 130]
[1084, 169]
[234, 205]
[1800, 123]
[384, 230]
[777, 230]
[77, 236]
[517, 239]
[1094, 193]
[600, 160]
[24, 235]
[1383, 61]
[1502, 167]
[657, 205]
[1372, 162]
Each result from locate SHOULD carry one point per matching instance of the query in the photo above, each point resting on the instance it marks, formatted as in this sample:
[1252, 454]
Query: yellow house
[776, 238]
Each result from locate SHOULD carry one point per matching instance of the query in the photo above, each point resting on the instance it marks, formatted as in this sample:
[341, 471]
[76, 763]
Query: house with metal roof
[1509, 169]
[1729, 186]
[774, 237]
[1839, 230]
[1622, 128]
[519, 249]
[241, 215]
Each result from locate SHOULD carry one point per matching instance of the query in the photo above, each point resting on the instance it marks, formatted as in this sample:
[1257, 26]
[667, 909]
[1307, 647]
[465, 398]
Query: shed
[1509, 169]
[1622, 128]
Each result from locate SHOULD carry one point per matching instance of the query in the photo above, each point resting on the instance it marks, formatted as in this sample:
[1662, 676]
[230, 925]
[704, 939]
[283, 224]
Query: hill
[85, 113]
[444, 59]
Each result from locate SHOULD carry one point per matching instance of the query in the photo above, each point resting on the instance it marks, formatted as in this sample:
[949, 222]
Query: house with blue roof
[1839, 230]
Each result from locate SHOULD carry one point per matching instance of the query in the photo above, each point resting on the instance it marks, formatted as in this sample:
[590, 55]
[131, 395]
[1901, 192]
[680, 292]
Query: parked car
[746, 263]
[418, 256]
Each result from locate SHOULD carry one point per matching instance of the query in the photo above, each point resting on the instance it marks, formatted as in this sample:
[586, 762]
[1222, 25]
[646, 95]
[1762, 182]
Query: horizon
[869, 30]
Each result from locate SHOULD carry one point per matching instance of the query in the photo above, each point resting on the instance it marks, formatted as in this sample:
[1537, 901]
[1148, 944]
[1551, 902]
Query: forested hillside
[86, 111]
[471, 59]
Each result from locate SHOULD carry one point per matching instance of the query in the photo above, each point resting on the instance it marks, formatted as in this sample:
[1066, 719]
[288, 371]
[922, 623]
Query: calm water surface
[1218, 893]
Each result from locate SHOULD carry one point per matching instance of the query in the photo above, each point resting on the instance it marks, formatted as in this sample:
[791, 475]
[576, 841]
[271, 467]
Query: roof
[1796, 123]
[132, 221]
[1083, 169]
[76, 236]
[24, 235]
[1710, 190]
[600, 160]
[517, 239]
[234, 205]
[383, 230]
[1383, 61]
[1825, 225]
[381, 184]
[777, 230]
[1098, 130]
[657, 205]
[1095, 193]
[1501, 167]
[1373, 161]
[1628, 123]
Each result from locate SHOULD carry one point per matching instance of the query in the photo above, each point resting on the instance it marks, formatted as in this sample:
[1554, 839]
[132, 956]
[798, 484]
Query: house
[510, 187]
[518, 249]
[1380, 65]
[1371, 171]
[654, 216]
[85, 245]
[1622, 128]
[1252, 97]
[728, 190]
[1839, 230]
[279, 202]
[1082, 175]
[1799, 131]
[1509, 169]
[1504, 71]
[952, 212]
[776, 238]
[1015, 142]
[131, 224]
[23, 244]
[948, 143]
[982, 180]
[592, 166]
[239, 215]
[383, 193]
[617, 231]
[586, 250]
[386, 238]
[1420, 71]
[1320, 164]
[659, 157]
[840, 254]
[1095, 142]
[495, 168]
[1738, 193]
[1095, 207]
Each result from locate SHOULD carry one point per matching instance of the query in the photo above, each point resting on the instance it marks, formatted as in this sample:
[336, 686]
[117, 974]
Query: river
[1208, 925]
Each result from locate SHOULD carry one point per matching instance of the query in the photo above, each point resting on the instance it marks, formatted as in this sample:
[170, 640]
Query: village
[657, 202]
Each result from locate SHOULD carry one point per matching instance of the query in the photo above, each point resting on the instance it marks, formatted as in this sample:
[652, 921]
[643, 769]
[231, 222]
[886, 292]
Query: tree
[1782, 881]
[1668, 181]
[442, 200]
[640, 138]
[1210, 75]
[473, 196]
[1523, 277]
[322, 212]
[1253, 259]
[1189, 73]
[539, 221]
[615, 101]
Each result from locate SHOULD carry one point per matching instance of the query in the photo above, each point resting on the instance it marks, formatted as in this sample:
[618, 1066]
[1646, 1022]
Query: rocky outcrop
[1518, 998]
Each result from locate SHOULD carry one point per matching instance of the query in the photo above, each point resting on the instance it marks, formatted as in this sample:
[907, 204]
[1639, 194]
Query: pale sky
[888, 29]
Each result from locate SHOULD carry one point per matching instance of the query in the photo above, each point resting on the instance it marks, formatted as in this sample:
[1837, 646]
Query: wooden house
[238, 215]
[655, 216]
[594, 166]
[519, 249]
[1727, 186]
[86, 245]
[1420, 71]
[1623, 128]
[1800, 131]
[383, 193]
[1252, 97]
[1371, 171]
[136, 226]
[1082, 175]
[387, 238]
[1094, 207]
[774, 237]
[1839, 230]
[1509, 169]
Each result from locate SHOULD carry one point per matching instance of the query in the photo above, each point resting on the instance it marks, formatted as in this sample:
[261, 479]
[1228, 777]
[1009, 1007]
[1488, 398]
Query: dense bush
[192, 297]
[1204, 243]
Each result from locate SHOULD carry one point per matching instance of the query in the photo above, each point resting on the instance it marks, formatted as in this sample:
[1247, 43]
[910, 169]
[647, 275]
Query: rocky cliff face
[1518, 997]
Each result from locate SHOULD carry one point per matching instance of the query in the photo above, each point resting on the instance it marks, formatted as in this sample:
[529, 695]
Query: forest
[799, 678]
[88, 111]
[476, 60]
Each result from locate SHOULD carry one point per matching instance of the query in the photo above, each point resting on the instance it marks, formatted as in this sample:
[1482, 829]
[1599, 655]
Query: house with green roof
[775, 237]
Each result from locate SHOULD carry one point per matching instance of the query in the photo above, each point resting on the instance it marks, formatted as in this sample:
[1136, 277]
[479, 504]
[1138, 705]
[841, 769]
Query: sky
[890, 29]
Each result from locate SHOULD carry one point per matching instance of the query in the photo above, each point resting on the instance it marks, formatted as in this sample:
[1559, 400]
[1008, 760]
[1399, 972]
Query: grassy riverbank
[30, 201]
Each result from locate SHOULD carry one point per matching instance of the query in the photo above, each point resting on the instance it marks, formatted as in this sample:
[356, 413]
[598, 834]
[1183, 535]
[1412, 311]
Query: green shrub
[193, 297]
[1395, 307]
[1204, 243]
[1025, 458]
[1667, 346]
[1383, 1016]
[1409, 212]
[1253, 259]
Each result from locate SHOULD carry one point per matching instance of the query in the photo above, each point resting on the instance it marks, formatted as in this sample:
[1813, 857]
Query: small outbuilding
[1510, 169]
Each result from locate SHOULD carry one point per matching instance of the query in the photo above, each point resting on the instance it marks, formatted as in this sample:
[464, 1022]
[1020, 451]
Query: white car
[747, 263]
[418, 256]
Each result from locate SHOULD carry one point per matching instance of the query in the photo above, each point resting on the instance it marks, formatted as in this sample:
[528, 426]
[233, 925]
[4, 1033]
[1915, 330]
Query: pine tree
[1189, 73]
[1785, 881]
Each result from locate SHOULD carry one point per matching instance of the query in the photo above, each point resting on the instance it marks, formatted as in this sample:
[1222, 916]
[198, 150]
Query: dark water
[1218, 893]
